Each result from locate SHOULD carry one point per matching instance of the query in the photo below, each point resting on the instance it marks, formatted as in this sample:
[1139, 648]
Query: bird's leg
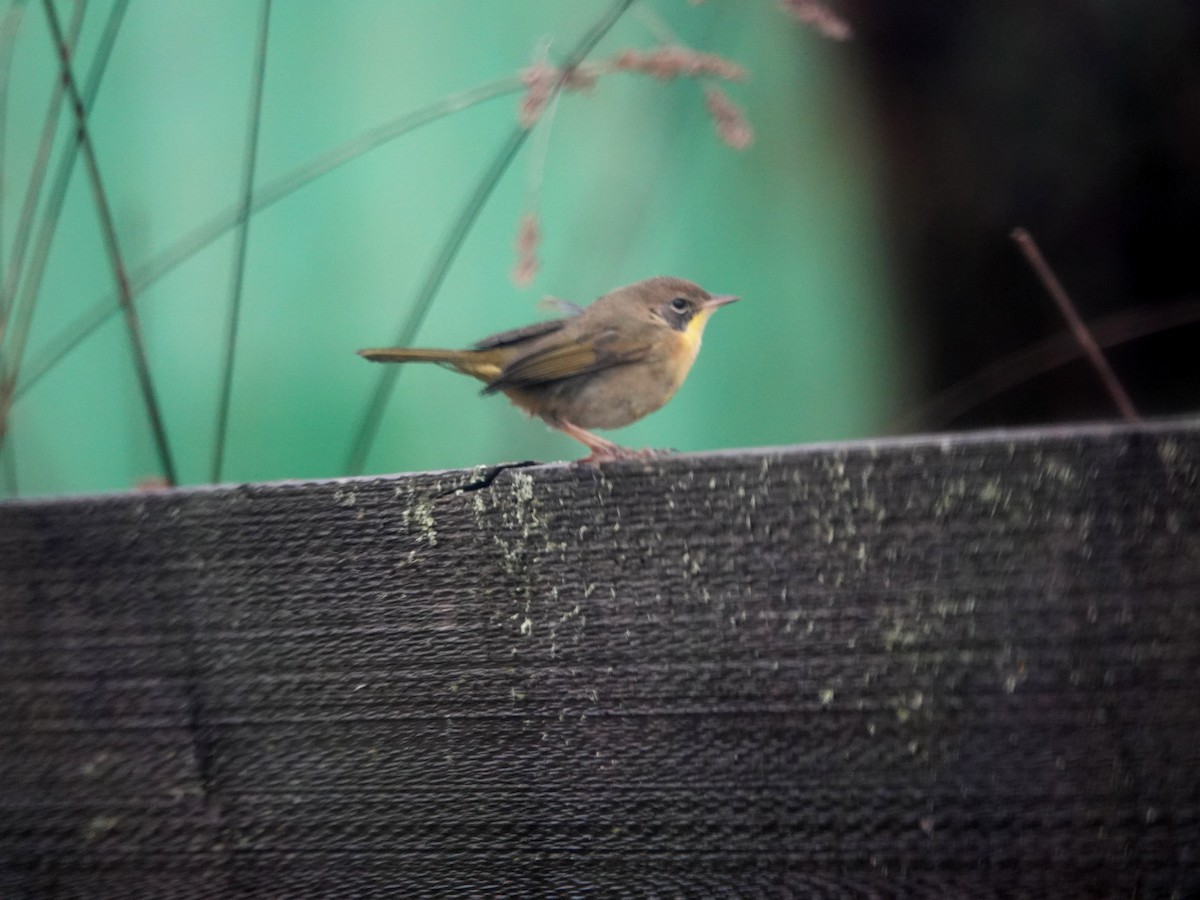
[601, 448]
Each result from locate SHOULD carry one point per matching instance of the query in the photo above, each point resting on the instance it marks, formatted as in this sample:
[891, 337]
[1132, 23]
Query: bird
[600, 366]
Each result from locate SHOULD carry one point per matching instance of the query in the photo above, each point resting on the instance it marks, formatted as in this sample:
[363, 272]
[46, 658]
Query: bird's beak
[722, 300]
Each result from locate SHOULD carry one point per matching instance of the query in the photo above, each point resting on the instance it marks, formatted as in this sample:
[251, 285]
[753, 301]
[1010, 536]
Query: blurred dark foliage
[1079, 120]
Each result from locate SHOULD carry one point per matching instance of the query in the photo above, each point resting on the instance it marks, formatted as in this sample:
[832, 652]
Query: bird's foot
[604, 450]
[617, 452]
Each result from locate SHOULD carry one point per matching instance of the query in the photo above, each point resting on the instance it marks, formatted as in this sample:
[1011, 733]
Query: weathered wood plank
[959, 667]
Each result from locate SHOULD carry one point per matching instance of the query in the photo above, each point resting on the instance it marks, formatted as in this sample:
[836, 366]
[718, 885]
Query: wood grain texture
[926, 668]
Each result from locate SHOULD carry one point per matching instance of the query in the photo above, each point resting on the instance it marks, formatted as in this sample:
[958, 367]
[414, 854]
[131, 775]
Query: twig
[386, 379]
[1044, 356]
[112, 246]
[8, 40]
[529, 229]
[1080, 330]
[33, 188]
[243, 237]
[29, 278]
[56, 194]
[85, 325]
[8, 461]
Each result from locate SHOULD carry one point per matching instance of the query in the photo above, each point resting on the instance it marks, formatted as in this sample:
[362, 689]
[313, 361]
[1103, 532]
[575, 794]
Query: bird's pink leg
[602, 449]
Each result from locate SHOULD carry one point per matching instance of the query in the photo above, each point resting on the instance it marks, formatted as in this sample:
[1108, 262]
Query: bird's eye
[679, 304]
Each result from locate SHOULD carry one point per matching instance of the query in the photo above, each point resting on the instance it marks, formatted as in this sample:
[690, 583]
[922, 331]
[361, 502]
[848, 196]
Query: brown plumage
[611, 363]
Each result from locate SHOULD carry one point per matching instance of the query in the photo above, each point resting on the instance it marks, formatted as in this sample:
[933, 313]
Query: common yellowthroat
[605, 365]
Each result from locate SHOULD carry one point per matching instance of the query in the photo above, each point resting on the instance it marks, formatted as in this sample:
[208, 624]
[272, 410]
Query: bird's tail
[481, 364]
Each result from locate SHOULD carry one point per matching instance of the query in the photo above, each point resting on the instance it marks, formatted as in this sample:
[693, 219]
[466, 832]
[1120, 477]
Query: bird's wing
[520, 335]
[566, 359]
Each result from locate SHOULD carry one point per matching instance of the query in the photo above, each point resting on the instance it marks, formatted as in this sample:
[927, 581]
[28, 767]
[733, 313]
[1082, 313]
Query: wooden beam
[951, 666]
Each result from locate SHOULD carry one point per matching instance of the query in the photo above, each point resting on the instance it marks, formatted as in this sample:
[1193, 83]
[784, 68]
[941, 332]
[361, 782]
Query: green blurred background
[635, 183]
[866, 226]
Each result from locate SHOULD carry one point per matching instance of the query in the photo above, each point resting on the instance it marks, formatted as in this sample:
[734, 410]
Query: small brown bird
[603, 366]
